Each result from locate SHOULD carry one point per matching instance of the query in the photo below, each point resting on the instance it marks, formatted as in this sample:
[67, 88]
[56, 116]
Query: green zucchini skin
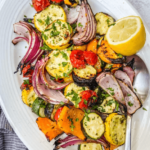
[41, 112]
[48, 110]
[37, 104]
[94, 124]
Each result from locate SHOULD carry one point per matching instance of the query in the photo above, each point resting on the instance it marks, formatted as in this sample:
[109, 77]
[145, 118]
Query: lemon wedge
[127, 36]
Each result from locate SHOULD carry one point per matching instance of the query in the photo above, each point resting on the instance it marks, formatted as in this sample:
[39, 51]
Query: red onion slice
[35, 43]
[19, 39]
[73, 140]
[72, 13]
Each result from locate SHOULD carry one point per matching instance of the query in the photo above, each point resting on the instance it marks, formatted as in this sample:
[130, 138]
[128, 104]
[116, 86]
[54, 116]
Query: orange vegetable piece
[82, 48]
[106, 53]
[92, 46]
[70, 121]
[112, 147]
[48, 127]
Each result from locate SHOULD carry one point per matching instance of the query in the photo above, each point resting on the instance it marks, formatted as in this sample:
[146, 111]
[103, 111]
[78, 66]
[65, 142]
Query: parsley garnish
[144, 109]
[110, 89]
[119, 55]
[77, 119]
[83, 88]
[54, 33]
[64, 55]
[45, 47]
[101, 109]
[25, 16]
[128, 94]
[29, 20]
[80, 25]
[39, 20]
[108, 21]
[47, 21]
[110, 102]
[74, 26]
[69, 27]
[85, 102]
[64, 64]
[117, 105]
[72, 126]
[62, 103]
[70, 48]
[26, 82]
[56, 54]
[111, 24]
[130, 104]
[65, 75]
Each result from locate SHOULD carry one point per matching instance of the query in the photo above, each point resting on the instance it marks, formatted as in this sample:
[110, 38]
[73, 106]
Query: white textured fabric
[143, 7]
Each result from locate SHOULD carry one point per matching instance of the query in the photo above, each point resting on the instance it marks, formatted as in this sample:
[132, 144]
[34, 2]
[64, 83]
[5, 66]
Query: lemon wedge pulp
[127, 36]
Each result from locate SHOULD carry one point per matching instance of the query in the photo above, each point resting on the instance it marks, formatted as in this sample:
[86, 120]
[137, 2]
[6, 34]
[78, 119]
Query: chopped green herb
[119, 55]
[65, 75]
[77, 119]
[130, 104]
[64, 55]
[45, 47]
[117, 105]
[74, 26]
[110, 89]
[58, 22]
[80, 25]
[25, 16]
[54, 33]
[101, 109]
[135, 89]
[83, 88]
[62, 103]
[60, 39]
[69, 27]
[70, 48]
[26, 82]
[43, 56]
[108, 21]
[65, 35]
[52, 78]
[25, 46]
[110, 102]
[144, 109]
[39, 20]
[31, 5]
[64, 64]
[64, 26]
[45, 36]
[94, 97]
[111, 24]
[29, 20]
[53, 26]
[47, 21]
[128, 94]
[61, 15]
[85, 102]
[56, 54]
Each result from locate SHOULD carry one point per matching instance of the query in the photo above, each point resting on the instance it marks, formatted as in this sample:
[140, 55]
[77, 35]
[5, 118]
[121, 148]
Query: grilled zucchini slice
[115, 129]
[108, 105]
[104, 21]
[48, 15]
[72, 93]
[90, 146]
[28, 96]
[58, 34]
[93, 126]
[59, 65]
[85, 77]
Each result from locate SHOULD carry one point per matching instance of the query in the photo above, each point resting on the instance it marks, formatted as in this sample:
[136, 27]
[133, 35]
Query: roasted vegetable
[93, 126]
[100, 42]
[47, 16]
[108, 55]
[72, 92]
[58, 35]
[28, 96]
[104, 21]
[56, 107]
[48, 110]
[90, 146]
[92, 46]
[115, 129]
[82, 48]
[84, 77]
[108, 105]
[70, 121]
[98, 65]
[68, 79]
[71, 3]
[59, 65]
[37, 104]
[49, 128]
